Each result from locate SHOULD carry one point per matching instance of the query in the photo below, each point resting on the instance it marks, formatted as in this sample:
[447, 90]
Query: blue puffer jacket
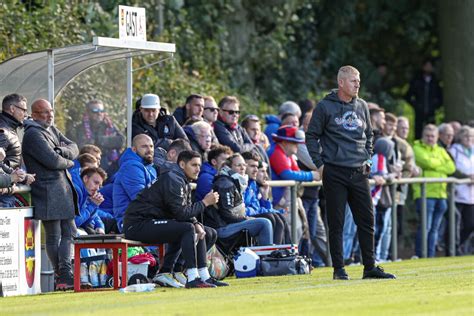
[204, 181]
[255, 205]
[107, 207]
[273, 122]
[87, 209]
[75, 172]
[132, 177]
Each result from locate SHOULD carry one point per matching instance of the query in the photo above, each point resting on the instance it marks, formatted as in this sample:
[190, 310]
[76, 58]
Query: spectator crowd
[88, 183]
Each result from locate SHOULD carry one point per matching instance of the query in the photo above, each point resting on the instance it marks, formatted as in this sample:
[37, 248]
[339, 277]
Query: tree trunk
[457, 51]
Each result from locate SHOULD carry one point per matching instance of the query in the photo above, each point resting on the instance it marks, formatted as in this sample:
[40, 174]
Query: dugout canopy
[44, 74]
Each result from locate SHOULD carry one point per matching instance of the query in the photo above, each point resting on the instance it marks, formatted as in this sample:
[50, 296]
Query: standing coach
[339, 140]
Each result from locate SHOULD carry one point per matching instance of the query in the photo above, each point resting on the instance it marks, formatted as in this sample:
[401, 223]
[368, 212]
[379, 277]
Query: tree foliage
[264, 52]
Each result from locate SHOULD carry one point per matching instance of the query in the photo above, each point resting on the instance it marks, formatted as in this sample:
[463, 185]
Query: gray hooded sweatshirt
[340, 133]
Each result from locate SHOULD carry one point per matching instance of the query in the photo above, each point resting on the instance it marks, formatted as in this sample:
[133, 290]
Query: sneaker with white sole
[180, 277]
[167, 280]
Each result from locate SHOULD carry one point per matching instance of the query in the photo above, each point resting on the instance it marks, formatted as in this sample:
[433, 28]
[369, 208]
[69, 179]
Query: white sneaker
[167, 280]
[180, 277]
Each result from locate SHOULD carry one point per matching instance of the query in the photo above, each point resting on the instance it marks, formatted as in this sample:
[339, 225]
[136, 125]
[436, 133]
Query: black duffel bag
[282, 262]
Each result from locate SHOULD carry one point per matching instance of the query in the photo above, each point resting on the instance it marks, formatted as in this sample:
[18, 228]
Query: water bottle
[141, 287]
[84, 273]
[103, 273]
[94, 274]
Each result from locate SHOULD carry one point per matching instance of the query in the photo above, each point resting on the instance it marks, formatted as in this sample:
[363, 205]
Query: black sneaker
[216, 282]
[340, 274]
[377, 272]
[198, 283]
[65, 282]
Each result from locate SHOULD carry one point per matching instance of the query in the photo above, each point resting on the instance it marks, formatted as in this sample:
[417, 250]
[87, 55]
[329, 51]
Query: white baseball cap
[150, 101]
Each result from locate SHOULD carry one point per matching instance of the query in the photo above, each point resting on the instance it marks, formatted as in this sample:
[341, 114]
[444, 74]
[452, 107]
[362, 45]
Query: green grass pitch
[441, 286]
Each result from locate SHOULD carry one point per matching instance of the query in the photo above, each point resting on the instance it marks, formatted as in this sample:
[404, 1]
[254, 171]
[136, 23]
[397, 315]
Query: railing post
[393, 193]
[129, 100]
[293, 209]
[452, 221]
[424, 235]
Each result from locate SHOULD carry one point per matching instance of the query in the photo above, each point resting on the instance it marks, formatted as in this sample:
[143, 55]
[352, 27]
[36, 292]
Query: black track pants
[170, 231]
[347, 185]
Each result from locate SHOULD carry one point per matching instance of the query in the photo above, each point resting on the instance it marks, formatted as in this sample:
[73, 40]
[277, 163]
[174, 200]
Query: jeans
[7, 201]
[348, 234]
[257, 227]
[59, 235]
[383, 232]
[317, 232]
[435, 209]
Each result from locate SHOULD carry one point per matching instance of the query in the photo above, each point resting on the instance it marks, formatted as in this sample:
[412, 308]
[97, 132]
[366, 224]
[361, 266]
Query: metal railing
[293, 185]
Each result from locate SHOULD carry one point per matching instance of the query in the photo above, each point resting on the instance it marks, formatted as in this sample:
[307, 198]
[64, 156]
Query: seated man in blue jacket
[89, 200]
[82, 162]
[136, 173]
[164, 213]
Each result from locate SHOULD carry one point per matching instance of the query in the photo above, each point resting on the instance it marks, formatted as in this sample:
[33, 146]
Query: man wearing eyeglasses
[14, 111]
[227, 128]
[48, 154]
[200, 137]
[97, 128]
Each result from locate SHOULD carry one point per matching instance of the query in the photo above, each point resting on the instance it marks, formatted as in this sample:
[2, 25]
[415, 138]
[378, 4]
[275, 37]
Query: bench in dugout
[114, 242]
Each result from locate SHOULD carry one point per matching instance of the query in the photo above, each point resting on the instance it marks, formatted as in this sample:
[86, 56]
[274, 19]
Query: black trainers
[216, 282]
[198, 283]
[377, 272]
[340, 274]
[65, 282]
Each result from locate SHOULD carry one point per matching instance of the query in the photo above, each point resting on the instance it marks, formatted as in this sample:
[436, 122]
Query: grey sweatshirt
[340, 133]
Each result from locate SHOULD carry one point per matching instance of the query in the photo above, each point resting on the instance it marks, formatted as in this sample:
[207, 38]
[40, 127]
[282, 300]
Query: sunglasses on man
[232, 112]
[211, 109]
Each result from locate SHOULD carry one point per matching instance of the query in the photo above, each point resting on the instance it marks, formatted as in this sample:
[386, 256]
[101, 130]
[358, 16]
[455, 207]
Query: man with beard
[164, 213]
[135, 174]
[48, 154]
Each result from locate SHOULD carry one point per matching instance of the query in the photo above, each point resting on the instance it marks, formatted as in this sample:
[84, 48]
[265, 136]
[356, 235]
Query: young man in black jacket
[164, 213]
[339, 140]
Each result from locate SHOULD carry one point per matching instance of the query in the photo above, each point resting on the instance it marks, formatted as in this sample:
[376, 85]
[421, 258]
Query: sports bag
[282, 262]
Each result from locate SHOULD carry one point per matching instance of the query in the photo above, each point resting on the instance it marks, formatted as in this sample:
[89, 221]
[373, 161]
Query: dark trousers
[467, 222]
[58, 242]
[348, 185]
[173, 261]
[170, 231]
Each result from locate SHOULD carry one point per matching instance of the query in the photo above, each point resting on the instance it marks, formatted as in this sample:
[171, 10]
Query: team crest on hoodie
[349, 120]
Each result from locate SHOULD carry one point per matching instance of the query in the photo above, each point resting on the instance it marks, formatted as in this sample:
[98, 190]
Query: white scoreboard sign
[132, 23]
